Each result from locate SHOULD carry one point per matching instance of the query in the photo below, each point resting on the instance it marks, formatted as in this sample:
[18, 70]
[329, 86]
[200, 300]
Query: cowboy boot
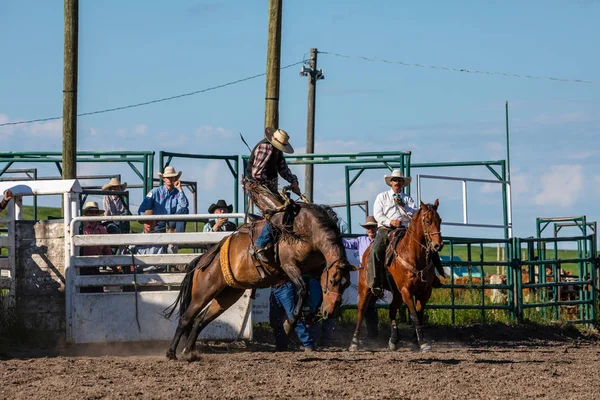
[261, 253]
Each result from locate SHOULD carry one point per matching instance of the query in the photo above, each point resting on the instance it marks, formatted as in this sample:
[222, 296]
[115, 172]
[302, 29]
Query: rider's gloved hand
[296, 189]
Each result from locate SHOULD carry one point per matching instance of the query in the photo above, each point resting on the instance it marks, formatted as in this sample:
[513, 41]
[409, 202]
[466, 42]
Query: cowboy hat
[397, 174]
[280, 139]
[115, 182]
[92, 206]
[370, 222]
[220, 204]
[170, 172]
[147, 212]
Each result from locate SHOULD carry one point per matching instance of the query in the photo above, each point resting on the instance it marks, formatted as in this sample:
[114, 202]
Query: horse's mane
[326, 217]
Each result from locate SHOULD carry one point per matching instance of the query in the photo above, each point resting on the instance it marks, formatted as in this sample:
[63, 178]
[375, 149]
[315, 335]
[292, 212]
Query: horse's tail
[185, 292]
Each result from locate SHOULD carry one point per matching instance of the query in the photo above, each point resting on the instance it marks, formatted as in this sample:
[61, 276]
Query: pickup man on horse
[265, 163]
[393, 209]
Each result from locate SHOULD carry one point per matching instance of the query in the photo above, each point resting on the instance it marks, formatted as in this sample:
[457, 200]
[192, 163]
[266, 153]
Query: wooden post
[69, 150]
[273, 65]
[310, 123]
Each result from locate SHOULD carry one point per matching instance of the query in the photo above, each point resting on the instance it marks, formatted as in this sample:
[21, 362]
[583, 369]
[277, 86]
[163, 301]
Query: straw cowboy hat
[220, 204]
[115, 183]
[280, 139]
[397, 174]
[170, 172]
[370, 222]
[92, 206]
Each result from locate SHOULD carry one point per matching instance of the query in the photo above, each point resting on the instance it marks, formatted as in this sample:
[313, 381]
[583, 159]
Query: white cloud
[561, 187]
[93, 132]
[45, 129]
[211, 132]
[140, 129]
[582, 155]
[495, 150]
[576, 116]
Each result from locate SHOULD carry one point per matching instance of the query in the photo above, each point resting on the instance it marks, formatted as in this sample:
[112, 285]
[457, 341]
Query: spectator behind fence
[113, 205]
[361, 244]
[168, 199]
[281, 304]
[7, 196]
[220, 224]
[91, 209]
[148, 248]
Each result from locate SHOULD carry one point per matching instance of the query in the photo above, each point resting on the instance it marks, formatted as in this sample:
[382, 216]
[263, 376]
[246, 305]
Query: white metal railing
[465, 210]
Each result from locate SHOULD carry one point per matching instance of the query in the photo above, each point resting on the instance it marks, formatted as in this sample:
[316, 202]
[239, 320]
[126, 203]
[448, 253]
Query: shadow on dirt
[477, 337]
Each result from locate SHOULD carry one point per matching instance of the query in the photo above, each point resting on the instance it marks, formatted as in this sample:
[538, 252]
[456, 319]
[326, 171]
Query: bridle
[428, 247]
[330, 293]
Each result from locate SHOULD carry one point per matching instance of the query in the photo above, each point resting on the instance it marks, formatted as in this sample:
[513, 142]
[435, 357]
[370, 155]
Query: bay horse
[211, 287]
[411, 273]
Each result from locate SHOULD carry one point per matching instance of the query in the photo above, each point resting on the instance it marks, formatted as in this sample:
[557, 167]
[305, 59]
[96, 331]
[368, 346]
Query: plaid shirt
[262, 154]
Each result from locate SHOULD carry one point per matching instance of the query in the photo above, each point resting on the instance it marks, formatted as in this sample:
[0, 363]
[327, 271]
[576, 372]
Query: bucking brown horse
[411, 274]
[220, 277]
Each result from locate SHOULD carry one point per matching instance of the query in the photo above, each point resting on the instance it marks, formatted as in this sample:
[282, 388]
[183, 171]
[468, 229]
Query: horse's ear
[436, 203]
[423, 205]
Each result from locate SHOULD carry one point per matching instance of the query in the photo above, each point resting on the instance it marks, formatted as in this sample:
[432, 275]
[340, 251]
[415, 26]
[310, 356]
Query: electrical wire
[145, 103]
[472, 71]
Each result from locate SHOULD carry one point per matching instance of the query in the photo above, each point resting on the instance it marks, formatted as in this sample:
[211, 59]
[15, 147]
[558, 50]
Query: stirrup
[260, 253]
[377, 292]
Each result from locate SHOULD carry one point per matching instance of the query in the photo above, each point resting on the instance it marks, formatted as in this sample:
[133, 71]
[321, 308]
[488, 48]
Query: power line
[472, 71]
[145, 103]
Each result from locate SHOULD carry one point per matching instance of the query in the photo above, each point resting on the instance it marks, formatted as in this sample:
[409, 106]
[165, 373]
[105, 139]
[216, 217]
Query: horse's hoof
[425, 347]
[171, 355]
[392, 346]
[287, 327]
[353, 347]
[189, 355]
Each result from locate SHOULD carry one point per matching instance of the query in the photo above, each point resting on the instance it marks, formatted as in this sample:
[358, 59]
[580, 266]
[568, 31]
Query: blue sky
[135, 51]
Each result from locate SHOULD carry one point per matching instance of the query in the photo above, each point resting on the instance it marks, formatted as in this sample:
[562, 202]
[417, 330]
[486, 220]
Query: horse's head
[430, 222]
[334, 280]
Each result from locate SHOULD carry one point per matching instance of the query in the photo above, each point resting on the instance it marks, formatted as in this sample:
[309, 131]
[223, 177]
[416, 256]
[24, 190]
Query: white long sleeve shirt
[386, 209]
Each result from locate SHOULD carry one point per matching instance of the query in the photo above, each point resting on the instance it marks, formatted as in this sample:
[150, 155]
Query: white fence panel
[111, 317]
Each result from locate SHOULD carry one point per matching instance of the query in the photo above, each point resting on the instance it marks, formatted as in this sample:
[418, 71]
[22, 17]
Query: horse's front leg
[407, 298]
[394, 331]
[420, 307]
[364, 297]
[296, 278]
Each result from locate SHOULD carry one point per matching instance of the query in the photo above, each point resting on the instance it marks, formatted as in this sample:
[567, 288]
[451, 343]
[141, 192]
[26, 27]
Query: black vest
[270, 171]
[229, 226]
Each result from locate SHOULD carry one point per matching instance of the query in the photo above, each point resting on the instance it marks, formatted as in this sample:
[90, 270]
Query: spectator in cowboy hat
[5, 199]
[91, 209]
[220, 224]
[113, 205]
[148, 248]
[168, 199]
[265, 163]
[361, 244]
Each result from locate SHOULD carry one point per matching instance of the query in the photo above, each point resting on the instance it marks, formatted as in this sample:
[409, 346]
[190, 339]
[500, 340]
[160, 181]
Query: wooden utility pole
[313, 77]
[69, 149]
[273, 64]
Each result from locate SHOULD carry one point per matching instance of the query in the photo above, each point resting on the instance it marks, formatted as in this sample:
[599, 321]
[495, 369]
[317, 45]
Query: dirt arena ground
[499, 362]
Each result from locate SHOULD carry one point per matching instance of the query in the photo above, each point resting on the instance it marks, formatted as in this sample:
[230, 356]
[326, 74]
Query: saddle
[394, 236]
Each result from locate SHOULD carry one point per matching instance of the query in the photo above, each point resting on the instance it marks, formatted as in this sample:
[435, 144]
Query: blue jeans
[265, 236]
[320, 330]
[179, 226]
[282, 302]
